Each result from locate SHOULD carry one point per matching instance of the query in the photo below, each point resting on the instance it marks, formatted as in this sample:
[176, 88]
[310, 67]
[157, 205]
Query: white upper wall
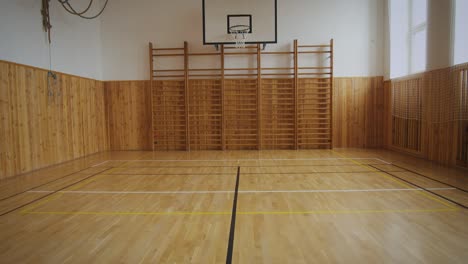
[357, 27]
[75, 45]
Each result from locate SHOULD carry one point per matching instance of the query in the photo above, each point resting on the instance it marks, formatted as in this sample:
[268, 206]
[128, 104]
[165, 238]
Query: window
[408, 37]
[460, 45]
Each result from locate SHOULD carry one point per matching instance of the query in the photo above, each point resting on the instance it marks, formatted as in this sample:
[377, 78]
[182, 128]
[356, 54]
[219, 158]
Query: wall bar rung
[314, 73]
[169, 49]
[306, 52]
[240, 69]
[168, 70]
[212, 69]
[276, 74]
[204, 75]
[239, 53]
[278, 53]
[168, 76]
[240, 75]
[167, 55]
[313, 68]
[204, 54]
[313, 46]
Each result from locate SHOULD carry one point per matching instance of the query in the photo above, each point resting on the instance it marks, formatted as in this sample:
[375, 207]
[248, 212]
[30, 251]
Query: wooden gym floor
[316, 206]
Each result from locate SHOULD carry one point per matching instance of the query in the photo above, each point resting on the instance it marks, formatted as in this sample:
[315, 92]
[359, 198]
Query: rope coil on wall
[51, 84]
[69, 8]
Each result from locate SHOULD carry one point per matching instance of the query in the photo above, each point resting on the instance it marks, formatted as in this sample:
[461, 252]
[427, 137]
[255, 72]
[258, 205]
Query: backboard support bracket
[263, 46]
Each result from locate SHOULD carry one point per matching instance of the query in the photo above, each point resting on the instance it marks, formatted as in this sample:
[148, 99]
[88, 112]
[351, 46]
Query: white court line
[100, 163]
[224, 160]
[133, 192]
[386, 162]
[246, 191]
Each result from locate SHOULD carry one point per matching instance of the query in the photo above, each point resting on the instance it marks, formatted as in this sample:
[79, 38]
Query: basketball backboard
[257, 18]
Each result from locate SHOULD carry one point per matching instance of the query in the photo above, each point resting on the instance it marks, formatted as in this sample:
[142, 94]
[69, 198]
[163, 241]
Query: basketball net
[239, 35]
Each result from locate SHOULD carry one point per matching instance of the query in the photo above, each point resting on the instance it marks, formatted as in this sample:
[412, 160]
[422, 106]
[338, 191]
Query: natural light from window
[408, 37]
[460, 47]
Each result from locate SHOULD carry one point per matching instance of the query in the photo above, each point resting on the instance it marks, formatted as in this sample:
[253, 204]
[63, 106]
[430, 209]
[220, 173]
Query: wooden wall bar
[240, 114]
[247, 107]
[278, 114]
[41, 126]
[128, 106]
[205, 110]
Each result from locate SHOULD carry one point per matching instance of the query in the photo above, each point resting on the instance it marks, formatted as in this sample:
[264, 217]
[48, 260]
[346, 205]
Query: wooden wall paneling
[461, 77]
[6, 125]
[387, 114]
[102, 121]
[436, 136]
[358, 112]
[129, 109]
[340, 112]
[374, 119]
[441, 127]
[47, 121]
[37, 101]
[23, 82]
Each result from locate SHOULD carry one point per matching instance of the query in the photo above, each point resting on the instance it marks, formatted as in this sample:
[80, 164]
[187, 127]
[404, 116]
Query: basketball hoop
[240, 34]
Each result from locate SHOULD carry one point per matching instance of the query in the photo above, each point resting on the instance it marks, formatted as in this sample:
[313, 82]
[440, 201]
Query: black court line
[422, 188]
[52, 193]
[43, 184]
[430, 178]
[210, 173]
[233, 221]
[310, 165]
[313, 172]
[170, 174]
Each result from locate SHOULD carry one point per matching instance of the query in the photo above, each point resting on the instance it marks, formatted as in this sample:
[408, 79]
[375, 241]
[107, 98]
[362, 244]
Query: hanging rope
[46, 17]
[68, 7]
[47, 28]
[80, 13]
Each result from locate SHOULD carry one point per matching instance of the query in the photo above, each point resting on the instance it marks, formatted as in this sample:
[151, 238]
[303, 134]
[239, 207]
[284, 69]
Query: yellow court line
[130, 213]
[401, 183]
[252, 213]
[354, 211]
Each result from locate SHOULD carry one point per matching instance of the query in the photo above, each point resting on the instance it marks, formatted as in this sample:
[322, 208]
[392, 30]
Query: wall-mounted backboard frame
[258, 17]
